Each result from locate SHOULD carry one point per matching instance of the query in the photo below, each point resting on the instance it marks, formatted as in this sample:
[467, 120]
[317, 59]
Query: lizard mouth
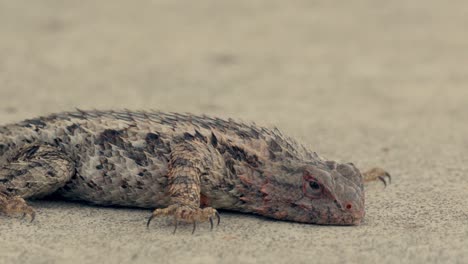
[345, 218]
[349, 220]
[356, 220]
[356, 217]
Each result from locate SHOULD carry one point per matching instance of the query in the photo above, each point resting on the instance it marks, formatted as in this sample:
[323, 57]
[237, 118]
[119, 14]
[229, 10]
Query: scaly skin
[184, 165]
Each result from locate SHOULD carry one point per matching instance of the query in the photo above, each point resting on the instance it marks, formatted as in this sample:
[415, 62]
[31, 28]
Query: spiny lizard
[186, 166]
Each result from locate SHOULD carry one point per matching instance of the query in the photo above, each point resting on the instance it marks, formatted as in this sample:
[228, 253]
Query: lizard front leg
[31, 171]
[189, 160]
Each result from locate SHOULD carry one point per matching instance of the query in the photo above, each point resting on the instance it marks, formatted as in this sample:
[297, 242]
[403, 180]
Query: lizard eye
[313, 189]
[314, 185]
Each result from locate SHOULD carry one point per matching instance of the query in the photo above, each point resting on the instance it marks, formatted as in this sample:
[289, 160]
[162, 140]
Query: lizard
[181, 165]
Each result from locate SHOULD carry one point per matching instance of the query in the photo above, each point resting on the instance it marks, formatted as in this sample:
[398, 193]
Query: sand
[378, 83]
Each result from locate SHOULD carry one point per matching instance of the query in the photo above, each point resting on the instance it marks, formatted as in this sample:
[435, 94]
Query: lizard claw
[33, 216]
[377, 173]
[194, 226]
[149, 220]
[186, 214]
[384, 177]
[176, 223]
[219, 218]
[211, 221]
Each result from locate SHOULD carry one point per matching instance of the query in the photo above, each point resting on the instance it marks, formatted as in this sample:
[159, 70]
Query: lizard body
[184, 165]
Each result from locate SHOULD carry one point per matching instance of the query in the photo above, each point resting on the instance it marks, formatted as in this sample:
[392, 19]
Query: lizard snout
[355, 210]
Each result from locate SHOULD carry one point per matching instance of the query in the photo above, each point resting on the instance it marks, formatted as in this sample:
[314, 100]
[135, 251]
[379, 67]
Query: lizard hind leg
[377, 174]
[31, 171]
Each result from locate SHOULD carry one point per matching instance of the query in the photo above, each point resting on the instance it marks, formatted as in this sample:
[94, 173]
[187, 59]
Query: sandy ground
[373, 82]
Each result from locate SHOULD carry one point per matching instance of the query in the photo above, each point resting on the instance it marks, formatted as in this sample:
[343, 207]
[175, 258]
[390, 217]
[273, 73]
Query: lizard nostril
[349, 206]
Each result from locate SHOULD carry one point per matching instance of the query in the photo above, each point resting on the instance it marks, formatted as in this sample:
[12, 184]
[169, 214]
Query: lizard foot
[187, 214]
[377, 174]
[16, 205]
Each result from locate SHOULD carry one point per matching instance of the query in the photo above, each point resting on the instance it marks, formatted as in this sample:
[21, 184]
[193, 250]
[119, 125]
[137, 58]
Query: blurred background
[373, 82]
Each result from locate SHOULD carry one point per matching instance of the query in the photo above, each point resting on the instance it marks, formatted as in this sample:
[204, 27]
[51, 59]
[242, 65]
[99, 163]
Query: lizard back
[122, 157]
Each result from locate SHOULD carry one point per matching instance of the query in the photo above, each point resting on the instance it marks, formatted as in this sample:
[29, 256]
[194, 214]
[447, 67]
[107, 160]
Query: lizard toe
[16, 205]
[187, 214]
[377, 174]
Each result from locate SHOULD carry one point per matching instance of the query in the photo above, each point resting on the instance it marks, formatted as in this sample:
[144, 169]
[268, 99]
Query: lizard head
[325, 193]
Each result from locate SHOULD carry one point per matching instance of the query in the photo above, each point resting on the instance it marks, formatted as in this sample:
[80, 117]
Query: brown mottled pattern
[158, 160]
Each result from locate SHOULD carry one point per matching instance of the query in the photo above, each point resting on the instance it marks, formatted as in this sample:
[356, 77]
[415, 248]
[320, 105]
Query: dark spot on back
[31, 151]
[3, 149]
[253, 161]
[272, 155]
[204, 125]
[92, 185]
[241, 133]
[144, 172]
[219, 124]
[199, 136]
[28, 141]
[111, 136]
[18, 173]
[139, 185]
[274, 146]
[230, 166]
[188, 136]
[72, 128]
[214, 140]
[150, 137]
[239, 154]
[138, 156]
[155, 145]
[153, 141]
[124, 184]
[126, 116]
[38, 123]
[236, 152]
[255, 133]
[79, 115]
[11, 190]
[59, 141]
[105, 164]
